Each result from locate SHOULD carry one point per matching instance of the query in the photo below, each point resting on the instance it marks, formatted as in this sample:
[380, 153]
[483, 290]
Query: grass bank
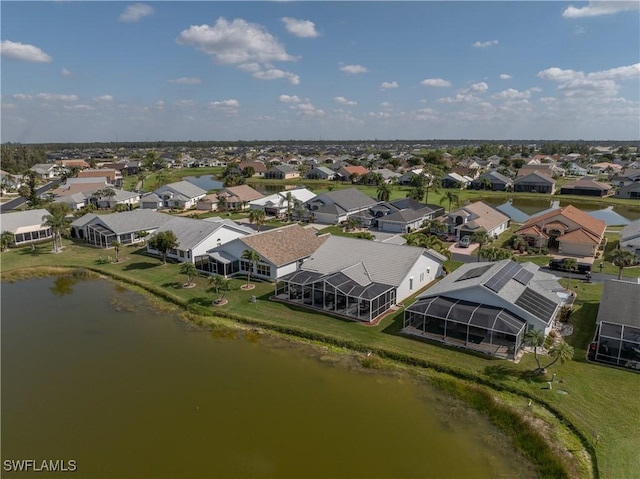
[591, 389]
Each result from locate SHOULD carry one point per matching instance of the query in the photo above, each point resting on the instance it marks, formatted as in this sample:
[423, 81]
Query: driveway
[455, 249]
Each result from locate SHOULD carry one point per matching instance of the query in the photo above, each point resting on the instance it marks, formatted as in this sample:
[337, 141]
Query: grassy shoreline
[547, 454]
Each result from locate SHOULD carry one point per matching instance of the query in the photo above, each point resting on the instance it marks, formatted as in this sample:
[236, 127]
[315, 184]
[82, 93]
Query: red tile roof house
[572, 231]
[346, 172]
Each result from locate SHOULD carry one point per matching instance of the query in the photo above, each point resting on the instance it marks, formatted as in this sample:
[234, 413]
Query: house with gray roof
[102, 230]
[282, 172]
[455, 180]
[492, 180]
[399, 216]
[27, 226]
[535, 182]
[630, 237]
[476, 217]
[180, 195]
[321, 173]
[337, 206]
[195, 237]
[486, 307]
[617, 338]
[45, 171]
[630, 191]
[359, 279]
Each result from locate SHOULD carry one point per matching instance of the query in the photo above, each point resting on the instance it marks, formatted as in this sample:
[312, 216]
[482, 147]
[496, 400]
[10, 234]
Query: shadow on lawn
[502, 372]
[138, 266]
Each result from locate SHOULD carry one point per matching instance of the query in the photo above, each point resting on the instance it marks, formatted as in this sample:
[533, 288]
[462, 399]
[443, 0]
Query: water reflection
[206, 182]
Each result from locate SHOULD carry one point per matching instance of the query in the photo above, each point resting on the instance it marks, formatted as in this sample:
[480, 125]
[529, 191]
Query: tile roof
[242, 193]
[284, 245]
[588, 183]
[594, 226]
[535, 176]
[482, 215]
[358, 170]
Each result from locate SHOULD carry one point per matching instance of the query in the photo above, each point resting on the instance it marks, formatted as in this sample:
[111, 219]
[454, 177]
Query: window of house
[264, 270]
[244, 265]
[411, 283]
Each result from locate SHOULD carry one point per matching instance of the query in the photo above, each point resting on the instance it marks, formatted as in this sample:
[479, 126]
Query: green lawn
[600, 401]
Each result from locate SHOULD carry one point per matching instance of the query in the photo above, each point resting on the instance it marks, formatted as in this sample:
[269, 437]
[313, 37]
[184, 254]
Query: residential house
[400, 216]
[478, 216]
[351, 173]
[281, 251]
[486, 307]
[72, 163]
[279, 203]
[536, 182]
[586, 186]
[630, 175]
[208, 203]
[492, 180]
[196, 237]
[237, 197]
[180, 195]
[359, 279]
[26, 226]
[112, 176]
[630, 238]
[9, 182]
[570, 230]
[102, 230]
[604, 168]
[321, 173]
[454, 180]
[259, 168]
[45, 171]
[387, 175]
[337, 206]
[575, 169]
[282, 172]
[407, 178]
[631, 191]
[617, 338]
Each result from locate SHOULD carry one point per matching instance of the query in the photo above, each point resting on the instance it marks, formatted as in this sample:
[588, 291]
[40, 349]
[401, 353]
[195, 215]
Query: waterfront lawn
[601, 400]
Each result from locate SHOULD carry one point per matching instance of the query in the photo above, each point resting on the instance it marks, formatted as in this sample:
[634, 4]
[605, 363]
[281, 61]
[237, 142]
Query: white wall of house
[423, 272]
[327, 218]
[397, 227]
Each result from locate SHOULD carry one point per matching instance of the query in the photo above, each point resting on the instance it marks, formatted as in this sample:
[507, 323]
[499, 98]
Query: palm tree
[108, 193]
[252, 258]
[161, 178]
[189, 269]
[219, 283]
[141, 178]
[570, 264]
[486, 183]
[257, 217]
[116, 246]
[451, 198]
[493, 253]
[384, 192]
[482, 238]
[222, 202]
[622, 258]
[432, 182]
[58, 223]
[289, 199]
[535, 338]
[562, 352]
[142, 234]
[6, 238]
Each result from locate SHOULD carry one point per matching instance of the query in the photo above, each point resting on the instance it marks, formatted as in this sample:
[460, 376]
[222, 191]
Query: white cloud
[275, 74]
[478, 87]
[353, 69]
[385, 104]
[459, 98]
[512, 94]
[56, 97]
[437, 82]
[386, 85]
[307, 109]
[135, 12]
[289, 99]
[229, 106]
[103, 99]
[65, 73]
[300, 28]
[186, 80]
[159, 104]
[23, 52]
[235, 43]
[504, 76]
[340, 100]
[602, 83]
[184, 103]
[597, 8]
[79, 108]
[479, 44]
[21, 96]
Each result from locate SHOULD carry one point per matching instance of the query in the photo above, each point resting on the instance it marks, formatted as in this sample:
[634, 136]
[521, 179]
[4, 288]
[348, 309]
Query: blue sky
[119, 71]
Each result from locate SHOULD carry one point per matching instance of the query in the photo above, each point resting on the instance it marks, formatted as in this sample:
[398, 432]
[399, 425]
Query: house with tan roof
[114, 177]
[281, 251]
[347, 172]
[237, 197]
[586, 186]
[568, 230]
[535, 182]
[478, 216]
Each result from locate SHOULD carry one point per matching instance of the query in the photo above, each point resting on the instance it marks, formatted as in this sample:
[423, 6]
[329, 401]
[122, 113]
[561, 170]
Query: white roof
[23, 221]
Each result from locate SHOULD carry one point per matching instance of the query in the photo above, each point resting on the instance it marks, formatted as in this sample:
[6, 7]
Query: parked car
[558, 264]
[464, 242]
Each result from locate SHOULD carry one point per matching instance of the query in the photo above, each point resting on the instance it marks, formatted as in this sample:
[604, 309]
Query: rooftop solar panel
[502, 277]
[536, 304]
[475, 272]
[523, 276]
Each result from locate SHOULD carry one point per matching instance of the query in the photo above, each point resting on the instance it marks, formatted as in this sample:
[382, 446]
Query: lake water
[521, 209]
[206, 182]
[91, 373]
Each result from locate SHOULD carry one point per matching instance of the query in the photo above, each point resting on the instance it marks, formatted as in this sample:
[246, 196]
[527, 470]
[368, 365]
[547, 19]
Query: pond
[521, 209]
[92, 373]
[206, 182]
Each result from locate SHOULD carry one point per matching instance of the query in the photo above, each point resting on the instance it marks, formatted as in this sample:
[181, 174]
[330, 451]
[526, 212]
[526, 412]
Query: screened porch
[471, 325]
[217, 262]
[337, 294]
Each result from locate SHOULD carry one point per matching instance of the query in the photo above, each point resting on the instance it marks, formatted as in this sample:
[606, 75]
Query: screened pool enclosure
[336, 293]
[475, 326]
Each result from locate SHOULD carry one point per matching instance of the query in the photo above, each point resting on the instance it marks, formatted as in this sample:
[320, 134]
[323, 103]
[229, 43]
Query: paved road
[19, 201]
